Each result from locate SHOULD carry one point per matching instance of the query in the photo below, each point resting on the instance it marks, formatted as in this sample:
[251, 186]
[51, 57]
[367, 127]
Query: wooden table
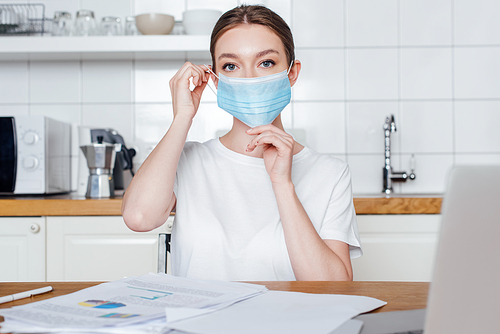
[398, 295]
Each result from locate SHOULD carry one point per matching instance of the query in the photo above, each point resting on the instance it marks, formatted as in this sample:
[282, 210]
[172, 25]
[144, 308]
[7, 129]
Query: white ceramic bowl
[155, 24]
[200, 21]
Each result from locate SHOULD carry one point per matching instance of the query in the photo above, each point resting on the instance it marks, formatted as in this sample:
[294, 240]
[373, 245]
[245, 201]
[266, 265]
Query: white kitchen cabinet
[397, 247]
[99, 248]
[22, 249]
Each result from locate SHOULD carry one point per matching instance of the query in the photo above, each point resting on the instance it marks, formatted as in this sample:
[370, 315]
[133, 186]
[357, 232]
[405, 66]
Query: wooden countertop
[399, 296]
[72, 205]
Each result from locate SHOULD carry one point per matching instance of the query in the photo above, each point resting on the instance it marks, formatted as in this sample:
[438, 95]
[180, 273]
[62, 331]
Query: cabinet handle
[34, 228]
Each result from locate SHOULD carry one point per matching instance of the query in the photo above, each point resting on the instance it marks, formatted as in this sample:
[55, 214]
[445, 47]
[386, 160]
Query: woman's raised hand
[278, 151]
[185, 102]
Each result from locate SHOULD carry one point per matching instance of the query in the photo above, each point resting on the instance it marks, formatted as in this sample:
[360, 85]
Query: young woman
[253, 204]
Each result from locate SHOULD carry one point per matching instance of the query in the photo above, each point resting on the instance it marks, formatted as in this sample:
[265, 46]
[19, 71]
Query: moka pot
[101, 161]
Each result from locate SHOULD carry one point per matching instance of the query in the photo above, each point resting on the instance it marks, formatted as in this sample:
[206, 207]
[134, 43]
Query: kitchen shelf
[103, 47]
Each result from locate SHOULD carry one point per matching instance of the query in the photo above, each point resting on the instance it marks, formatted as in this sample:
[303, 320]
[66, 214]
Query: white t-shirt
[227, 225]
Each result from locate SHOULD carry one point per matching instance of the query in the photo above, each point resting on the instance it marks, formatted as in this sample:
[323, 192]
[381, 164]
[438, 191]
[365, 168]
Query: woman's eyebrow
[265, 52]
[228, 55]
[258, 55]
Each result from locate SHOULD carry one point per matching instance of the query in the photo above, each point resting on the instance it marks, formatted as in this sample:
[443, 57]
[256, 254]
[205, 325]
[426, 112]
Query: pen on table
[24, 294]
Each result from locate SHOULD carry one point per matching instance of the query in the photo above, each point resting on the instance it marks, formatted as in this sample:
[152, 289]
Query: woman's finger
[273, 130]
[268, 127]
[187, 71]
[185, 100]
[181, 71]
[198, 90]
[202, 75]
[276, 140]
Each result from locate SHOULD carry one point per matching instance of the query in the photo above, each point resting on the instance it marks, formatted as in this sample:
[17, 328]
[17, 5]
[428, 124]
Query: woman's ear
[294, 72]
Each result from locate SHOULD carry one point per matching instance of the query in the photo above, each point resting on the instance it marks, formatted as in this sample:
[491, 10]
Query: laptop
[464, 295]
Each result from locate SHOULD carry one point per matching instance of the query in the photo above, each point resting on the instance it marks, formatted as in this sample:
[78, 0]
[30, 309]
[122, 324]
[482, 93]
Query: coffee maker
[123, 161]
[101, 161]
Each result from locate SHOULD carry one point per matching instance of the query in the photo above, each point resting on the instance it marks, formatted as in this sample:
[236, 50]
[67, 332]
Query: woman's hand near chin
[278, 152]
[186, 102]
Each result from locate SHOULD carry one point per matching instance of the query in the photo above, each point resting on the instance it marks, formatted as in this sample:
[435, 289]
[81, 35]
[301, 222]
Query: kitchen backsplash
[434, 64]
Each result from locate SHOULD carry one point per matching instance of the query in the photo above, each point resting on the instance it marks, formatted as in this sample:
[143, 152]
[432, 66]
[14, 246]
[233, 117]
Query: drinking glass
[61, 25]
[111, 26]
[130, 27]
[85, 24]
[178, 29]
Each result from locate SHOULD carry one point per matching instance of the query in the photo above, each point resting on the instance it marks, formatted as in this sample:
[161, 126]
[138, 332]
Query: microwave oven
[34, 155]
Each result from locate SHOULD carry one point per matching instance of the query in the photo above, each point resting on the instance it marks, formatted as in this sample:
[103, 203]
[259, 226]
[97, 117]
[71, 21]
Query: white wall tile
[476, 22]
[55, 82]
[107, 81]
[321, 77]
[372, 74]
[372, 23]
[287, 119]
[365, 132]
[299, 135]
[200, 56]
[152, 121]
[13, 82]
[281, 7]
[101, 8]
[14, 110]
[222, 5]
[318, 28]
[426, 127]
[152, 79]
[477, 126]
[115, 116]
[476, 72]
[425, 22]
[175, 8]
[477, 159]
[208, 122]
[431, 172]
[426, 73]
[69, 113]
[324, 123]
[366, 173]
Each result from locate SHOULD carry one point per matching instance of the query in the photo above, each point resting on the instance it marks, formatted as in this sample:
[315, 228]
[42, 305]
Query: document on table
[281, 312]
[131, 300]
[161, 304]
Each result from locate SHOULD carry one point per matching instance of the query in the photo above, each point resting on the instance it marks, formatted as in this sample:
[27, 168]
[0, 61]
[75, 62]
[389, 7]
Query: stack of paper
[128, 303]
[159, 303]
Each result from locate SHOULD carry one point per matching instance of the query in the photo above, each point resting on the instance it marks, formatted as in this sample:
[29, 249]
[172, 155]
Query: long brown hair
[253, 14]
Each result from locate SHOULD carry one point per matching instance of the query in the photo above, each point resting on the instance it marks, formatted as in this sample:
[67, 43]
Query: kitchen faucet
[389, 175]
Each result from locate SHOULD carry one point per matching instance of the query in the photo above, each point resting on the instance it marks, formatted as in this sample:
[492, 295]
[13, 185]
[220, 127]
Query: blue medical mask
[254, 101]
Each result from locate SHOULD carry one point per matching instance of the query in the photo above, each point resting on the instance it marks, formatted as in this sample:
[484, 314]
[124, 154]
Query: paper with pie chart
[132, 300]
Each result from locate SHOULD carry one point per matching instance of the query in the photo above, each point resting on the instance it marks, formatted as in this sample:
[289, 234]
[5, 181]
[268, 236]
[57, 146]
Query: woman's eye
[229, 67]
[267, 63]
